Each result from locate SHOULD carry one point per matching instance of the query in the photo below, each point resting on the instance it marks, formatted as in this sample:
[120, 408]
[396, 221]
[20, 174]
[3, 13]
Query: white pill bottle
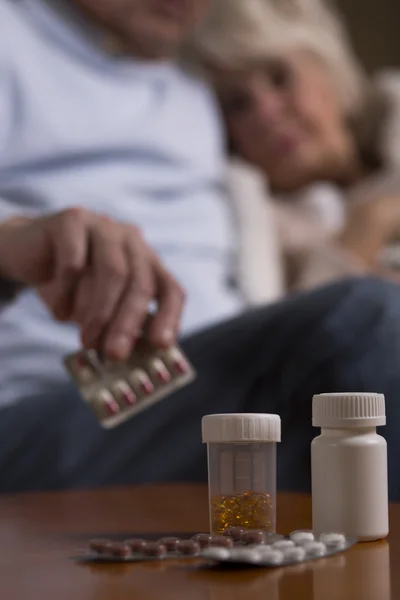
[349, 466]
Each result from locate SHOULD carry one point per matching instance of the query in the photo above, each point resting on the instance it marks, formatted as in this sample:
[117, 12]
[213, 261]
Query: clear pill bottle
[242, 470]
[349, 466]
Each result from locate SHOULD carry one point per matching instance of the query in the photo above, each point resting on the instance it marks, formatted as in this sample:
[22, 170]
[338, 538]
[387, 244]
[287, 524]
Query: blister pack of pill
[234, 548]
[116, 391]
[298, 547]
[140, 550]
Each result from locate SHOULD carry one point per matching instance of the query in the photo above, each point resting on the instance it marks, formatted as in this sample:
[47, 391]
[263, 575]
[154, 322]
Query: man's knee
[377, 294]
[361, 295]
[365, 309]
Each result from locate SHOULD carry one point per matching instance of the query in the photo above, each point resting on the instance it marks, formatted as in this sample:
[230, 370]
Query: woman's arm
[259, 265]
[357, 249]
[325, 263]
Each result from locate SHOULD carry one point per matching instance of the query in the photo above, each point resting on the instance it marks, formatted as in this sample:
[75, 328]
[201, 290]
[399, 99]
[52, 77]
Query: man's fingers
[105, 279]
[164, 327]
[109, 272]
[128, 320]
[68, 232]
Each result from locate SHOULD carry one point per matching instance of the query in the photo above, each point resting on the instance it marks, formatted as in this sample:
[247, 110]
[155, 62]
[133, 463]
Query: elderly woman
[301, 111]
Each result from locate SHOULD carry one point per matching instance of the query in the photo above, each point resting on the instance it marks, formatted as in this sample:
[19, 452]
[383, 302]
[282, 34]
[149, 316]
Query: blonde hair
[238, 32]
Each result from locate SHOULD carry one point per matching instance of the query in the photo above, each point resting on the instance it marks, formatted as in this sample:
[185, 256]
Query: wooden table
[40, 532]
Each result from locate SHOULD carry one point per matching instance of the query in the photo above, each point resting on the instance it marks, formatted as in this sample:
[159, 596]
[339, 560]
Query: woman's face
[285, 118]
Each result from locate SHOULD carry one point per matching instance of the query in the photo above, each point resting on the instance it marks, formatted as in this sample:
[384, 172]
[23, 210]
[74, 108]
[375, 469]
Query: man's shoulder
[8, 14]
[9, 23]
[9, 36]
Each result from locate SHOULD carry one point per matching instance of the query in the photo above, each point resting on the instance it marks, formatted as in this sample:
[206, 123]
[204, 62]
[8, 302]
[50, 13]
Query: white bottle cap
[349, 410]
[231, 428]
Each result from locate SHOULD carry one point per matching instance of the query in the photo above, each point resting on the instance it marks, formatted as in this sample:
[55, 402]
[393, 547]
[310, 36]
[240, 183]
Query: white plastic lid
[241, 427]
[349, 410]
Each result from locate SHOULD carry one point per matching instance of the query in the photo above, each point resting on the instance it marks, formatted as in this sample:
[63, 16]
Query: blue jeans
[345, 337]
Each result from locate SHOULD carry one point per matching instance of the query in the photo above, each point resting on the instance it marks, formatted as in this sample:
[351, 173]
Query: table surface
[40, 532]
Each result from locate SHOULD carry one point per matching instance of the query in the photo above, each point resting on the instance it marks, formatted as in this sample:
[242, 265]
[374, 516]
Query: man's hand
[371, 226]
[96, 272]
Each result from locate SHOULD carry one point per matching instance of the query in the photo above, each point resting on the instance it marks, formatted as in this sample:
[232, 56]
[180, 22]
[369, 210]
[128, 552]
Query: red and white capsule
[106, 404]
[177, 361]
[141, 382]
[84, 371]
[124, 394]
[159, 371]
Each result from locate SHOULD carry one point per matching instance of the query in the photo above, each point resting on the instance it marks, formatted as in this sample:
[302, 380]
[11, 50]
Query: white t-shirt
[140, 142]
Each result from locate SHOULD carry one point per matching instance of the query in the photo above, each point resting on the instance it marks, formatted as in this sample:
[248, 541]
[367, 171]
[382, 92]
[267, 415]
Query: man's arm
[8, 288]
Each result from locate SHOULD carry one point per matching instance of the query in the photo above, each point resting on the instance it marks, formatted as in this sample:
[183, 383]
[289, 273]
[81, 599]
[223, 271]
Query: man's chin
[153, 44]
